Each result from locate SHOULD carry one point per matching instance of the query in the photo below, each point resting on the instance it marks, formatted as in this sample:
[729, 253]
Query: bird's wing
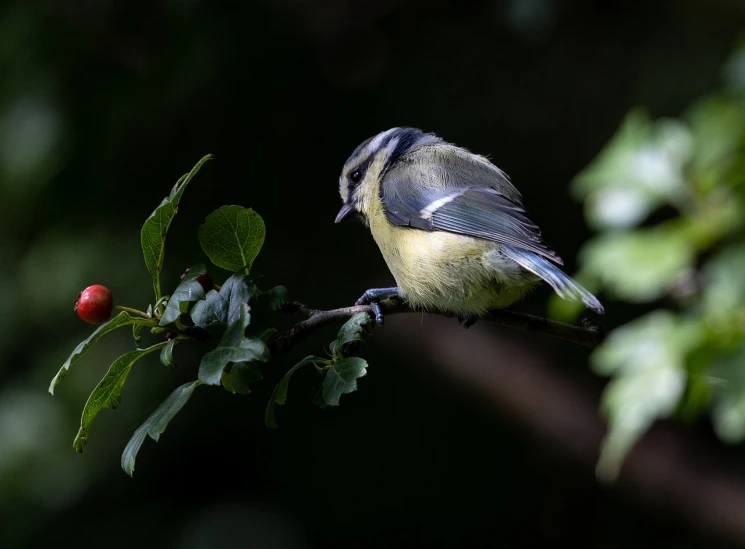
[465, 201]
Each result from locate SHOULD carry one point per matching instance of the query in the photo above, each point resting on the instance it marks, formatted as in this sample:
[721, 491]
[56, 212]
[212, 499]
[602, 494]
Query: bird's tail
[559, 281]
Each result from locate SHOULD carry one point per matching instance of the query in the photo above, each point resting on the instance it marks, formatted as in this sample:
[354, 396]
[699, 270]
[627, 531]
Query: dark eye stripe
[358, 173]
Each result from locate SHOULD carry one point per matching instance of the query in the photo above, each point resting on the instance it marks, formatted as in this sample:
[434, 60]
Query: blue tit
[450, 225]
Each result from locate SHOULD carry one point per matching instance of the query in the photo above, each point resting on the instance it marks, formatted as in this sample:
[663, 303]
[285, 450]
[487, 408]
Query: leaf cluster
[231, 322]
[667, 198]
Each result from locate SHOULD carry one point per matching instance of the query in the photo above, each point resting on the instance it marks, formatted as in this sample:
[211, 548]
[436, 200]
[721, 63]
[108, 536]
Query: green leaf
[272, 299]
[166, 355]
[136, 330]
[155, 228]
[279, 394]
[232, 236]
[350, 332]
[220, 309]
[211, 314]
[723, 288]
[727, 381]
[638, 266]
[233, 347]
[236, 292]
[240, 376]
[122, 319]
[341, 378]
[642, 167]
[108, 393]
[647, 358]
[156, 424]
[187, 291]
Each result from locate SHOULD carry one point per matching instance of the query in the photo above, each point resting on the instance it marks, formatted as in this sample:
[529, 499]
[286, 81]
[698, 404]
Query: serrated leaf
[240, 377]
[236, 292]
[211, 313]
[122, 319]
[154, 230]
[187, 291]
[232, 236]
[279, 394]
[350, 331]
[108, 393]
[166, 355]
[342, 378]
[233, 347]
[647, 359]
[156, 424]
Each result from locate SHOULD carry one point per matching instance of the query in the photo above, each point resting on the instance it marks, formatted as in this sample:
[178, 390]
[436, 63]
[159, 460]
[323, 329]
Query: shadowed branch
[588, 336]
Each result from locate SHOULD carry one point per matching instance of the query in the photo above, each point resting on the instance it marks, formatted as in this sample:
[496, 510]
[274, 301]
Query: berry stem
[134, 312]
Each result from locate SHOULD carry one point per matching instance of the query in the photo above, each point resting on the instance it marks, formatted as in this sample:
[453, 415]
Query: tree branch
[588, 336]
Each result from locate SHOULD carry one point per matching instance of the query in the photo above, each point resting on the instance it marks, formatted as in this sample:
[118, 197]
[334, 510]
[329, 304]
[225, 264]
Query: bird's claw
[373, 297]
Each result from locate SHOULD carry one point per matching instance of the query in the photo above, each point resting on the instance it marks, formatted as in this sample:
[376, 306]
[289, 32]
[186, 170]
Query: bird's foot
[467, 320]
[374, 296]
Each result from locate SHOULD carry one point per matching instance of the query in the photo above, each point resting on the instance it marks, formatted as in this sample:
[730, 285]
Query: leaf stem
[134, 312]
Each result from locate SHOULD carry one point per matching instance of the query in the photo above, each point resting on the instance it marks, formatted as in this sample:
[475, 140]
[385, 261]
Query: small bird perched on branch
[450, 225]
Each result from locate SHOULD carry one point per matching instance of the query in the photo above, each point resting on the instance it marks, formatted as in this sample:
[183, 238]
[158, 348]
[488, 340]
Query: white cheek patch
[427, 211]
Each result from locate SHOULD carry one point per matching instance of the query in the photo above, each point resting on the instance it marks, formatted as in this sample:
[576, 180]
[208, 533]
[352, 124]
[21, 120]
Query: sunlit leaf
[232, 236]
[156, 424]
[108, 393]
[642, 167]
[647, 359]
[122, 319]
[155, 229]
[638, 266]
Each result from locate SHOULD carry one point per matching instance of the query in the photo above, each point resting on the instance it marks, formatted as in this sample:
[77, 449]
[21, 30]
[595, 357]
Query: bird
[450, 225]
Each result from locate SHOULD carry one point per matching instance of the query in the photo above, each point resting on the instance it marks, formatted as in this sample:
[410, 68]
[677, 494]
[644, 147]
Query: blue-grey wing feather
[476, 202]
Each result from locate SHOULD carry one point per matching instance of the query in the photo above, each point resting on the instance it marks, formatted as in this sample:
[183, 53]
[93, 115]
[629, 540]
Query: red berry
[94, 304]
[206, 281]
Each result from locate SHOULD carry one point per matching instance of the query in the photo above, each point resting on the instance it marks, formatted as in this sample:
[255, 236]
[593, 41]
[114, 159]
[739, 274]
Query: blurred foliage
[101, 103]
[668, 201]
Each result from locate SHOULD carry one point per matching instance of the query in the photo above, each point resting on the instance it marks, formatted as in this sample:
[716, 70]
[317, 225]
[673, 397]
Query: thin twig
[315, 319]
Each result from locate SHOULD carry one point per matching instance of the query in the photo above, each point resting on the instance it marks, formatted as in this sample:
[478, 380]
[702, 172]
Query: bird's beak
[345, 212]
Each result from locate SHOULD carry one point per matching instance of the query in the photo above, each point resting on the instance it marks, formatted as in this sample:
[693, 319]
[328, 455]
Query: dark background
[103, 105]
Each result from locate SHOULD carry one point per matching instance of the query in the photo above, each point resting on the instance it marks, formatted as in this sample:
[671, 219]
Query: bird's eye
[356, 176]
